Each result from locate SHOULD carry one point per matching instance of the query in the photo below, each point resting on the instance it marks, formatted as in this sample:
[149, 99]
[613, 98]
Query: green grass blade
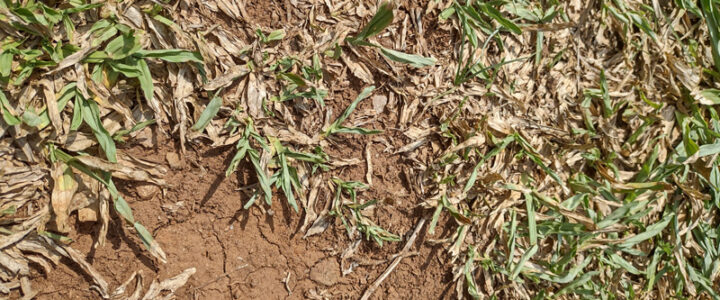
[532, 227]
[357, 130]
[118, 136]
[285, 182]
[712, 18]
[364, 94]
[77, 115]
[607, 103]
[411, 59]
[619, 213]
[621, 262]
[150, 242]
[579, 282]
[275, 35]
[239, 155]
[435, 218]
[381, 20]
[9, 118]
[208, 113]
[497, 15]
[145, 78]
[525, 257]
[336, 126]
[512, 237]
[650, 232]
[91, 116]
[710, 97]
[172, 55]
[123, 46]
[263, 180]
[472, 286]
[6, 58]
[570, 276]
[701, 280]
[121, 206]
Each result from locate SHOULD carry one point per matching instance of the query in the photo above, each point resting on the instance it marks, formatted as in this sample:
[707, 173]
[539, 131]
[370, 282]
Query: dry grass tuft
[571, 145]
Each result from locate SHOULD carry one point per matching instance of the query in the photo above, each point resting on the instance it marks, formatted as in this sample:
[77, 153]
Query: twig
[287, 283]
[398, 257]
[368, 175]
[224, 275]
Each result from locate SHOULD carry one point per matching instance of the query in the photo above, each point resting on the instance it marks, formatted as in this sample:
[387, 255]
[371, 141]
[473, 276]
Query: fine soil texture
[248, 254]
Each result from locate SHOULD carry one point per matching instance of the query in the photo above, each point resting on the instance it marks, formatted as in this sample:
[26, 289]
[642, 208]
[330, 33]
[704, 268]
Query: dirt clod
[379, 102]
[326, 272]
[174, 161]
[147, 191]
[87, 215]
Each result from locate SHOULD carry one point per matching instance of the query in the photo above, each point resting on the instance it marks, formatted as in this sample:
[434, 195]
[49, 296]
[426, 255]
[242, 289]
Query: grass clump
[67, 69]
[350, 212]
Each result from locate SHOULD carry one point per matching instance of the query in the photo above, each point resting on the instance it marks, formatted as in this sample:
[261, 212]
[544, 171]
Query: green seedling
[354, 210]
[381, 20]
[336, 127]
[244, 149]
[120, 205]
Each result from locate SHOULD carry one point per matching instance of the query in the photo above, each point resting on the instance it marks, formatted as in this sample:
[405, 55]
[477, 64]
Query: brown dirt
[244, 253]
[247, 254]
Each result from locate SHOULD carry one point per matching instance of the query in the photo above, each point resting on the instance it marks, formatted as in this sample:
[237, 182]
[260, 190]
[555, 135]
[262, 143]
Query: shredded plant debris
[557, 149]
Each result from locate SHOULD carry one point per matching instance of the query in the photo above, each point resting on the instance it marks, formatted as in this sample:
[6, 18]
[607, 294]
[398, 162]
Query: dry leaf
[358, 69]
[234, 73]
[64, 187]
[256, 94]
[169, 285]
[127, 168]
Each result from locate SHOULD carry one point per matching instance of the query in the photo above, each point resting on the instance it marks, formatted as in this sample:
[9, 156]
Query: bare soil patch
[246, 254]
